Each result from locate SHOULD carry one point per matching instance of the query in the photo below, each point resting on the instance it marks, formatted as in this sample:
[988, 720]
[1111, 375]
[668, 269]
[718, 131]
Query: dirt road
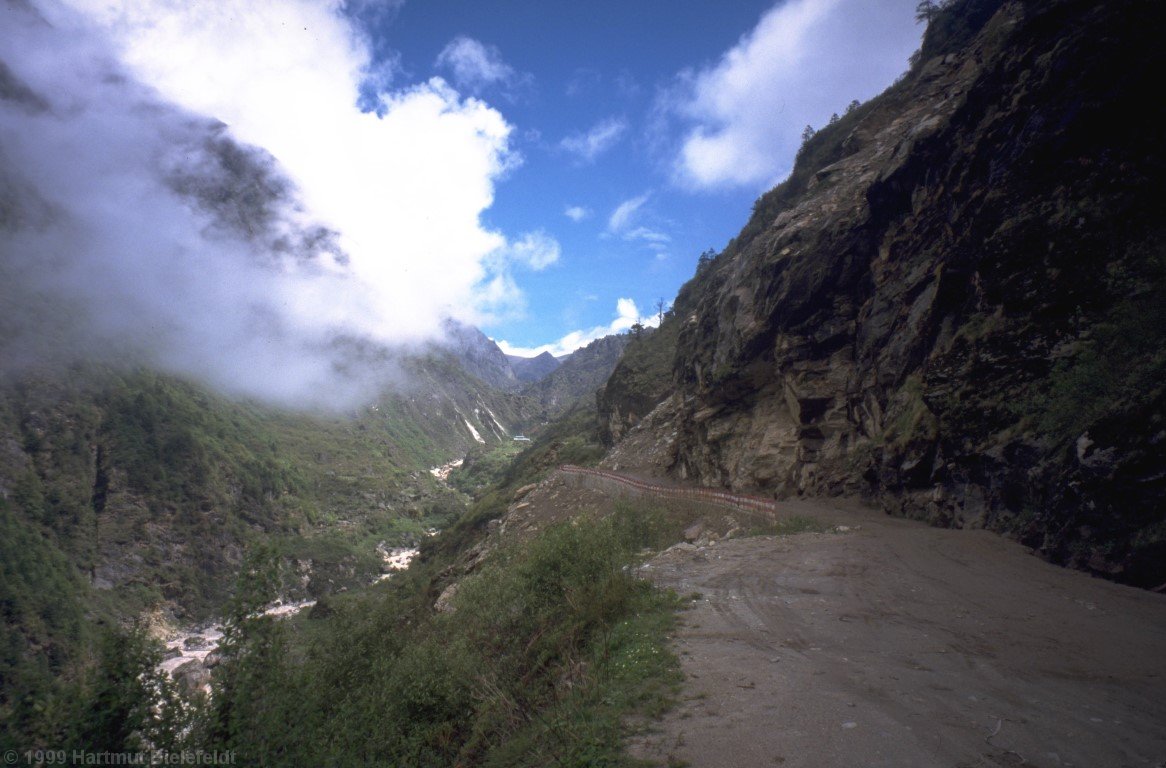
[896, 644]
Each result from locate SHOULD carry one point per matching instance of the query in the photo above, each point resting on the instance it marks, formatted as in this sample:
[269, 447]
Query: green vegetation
[176, 448]
[576, 380]
[911, 419]
[484, 466]
[125, 702]
[573, 438]
[951, 24]
[553, 645]
[1117, 367]
[549, 649]
[43, 623]
[1121, 368]
[643, 376]
[147, 482]
[124, 492]
[646, 365]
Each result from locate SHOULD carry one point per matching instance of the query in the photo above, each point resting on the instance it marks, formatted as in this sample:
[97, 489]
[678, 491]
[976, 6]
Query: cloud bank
[805, 60]
[140, 219]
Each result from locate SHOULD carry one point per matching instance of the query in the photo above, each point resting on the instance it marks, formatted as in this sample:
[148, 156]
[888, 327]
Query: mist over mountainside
[478, 355]
[128, 494]
[119, 465]
[188, 362]
[116, 463]
[137, 231]
[954, 305]
[138, 263]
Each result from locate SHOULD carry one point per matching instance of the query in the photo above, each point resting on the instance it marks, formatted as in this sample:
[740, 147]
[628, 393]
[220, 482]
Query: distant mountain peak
[479, 355]
[531, 369]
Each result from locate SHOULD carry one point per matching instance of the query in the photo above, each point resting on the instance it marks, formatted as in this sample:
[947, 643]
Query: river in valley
[189, 652]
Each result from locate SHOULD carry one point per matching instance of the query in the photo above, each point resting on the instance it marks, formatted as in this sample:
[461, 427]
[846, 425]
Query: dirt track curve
[712, 496]
[890, 643]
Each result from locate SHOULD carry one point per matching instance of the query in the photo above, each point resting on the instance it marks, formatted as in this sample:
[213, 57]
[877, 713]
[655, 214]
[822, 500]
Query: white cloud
[624, 214]
[403, 189]
[804, 60]
[474, 65]
[500, 298]
[648, 235]
[535, 250]
[576, 213]
[602, 137]
[624, 223]
[657, 242]
[627, 314]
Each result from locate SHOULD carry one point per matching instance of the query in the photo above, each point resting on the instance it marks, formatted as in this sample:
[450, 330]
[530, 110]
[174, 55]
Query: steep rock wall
[959, 308]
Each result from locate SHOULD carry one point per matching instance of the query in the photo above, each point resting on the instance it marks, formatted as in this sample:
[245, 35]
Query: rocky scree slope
[956, 304]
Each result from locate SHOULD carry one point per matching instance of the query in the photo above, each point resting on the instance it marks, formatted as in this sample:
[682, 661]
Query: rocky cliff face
[640, 380]
[956, 302]
[478, 355]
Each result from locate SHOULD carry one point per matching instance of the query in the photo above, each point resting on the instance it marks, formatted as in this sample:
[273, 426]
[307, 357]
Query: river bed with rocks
[190, 653]
[443, 472]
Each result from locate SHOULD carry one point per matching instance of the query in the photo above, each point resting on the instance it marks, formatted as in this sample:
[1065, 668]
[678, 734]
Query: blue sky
[596, 93]
[546, 171]
[582, 96]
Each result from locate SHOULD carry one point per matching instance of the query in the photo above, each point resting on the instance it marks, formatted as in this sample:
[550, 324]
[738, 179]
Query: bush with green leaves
[549, 648]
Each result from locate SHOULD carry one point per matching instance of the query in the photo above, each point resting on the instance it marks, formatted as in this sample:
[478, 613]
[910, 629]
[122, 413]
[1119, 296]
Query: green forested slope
[127, 493]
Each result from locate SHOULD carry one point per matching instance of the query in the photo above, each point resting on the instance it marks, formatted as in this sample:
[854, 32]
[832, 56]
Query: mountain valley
[885, 485]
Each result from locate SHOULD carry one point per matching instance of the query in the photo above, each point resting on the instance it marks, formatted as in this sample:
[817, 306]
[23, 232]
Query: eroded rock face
[933, 317]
